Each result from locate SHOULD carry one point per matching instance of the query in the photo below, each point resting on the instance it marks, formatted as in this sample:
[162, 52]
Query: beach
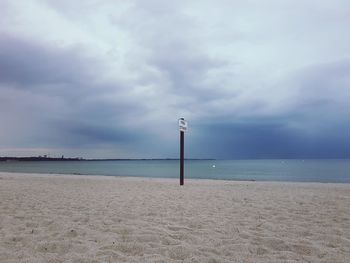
[95, 219]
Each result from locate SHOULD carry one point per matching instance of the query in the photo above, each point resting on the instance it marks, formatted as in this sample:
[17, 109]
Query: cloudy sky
[109, 79]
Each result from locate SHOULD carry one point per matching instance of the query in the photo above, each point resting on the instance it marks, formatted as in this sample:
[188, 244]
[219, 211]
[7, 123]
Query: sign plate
[183, 125]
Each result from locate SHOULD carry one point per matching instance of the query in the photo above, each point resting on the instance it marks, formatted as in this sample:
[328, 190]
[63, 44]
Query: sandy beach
[95, 219]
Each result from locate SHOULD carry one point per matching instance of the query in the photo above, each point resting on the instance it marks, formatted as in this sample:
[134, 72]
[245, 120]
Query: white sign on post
[183, 125]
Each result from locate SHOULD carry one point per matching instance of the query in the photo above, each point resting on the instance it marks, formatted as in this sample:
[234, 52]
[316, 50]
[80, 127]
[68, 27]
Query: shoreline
[69, 175]
[90, 219]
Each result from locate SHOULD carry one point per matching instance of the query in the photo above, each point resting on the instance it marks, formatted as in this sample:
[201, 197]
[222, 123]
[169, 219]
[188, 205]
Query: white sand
[46, 218]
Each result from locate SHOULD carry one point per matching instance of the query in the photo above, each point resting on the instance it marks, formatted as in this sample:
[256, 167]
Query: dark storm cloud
[269, 139]
[83, 133]
[30, 64]
[103, 134]
[316, 127]
[55, 88]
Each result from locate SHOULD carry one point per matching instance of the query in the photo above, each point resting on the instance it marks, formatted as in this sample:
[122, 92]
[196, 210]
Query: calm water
[337, 171]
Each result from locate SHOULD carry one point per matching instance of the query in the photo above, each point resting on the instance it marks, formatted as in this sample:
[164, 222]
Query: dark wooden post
[182, 156]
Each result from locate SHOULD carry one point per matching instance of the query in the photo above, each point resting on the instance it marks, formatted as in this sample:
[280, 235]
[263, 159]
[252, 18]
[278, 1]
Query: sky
[110, 79]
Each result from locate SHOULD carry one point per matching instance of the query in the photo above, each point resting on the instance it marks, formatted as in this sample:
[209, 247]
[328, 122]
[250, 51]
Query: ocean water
[328, 171]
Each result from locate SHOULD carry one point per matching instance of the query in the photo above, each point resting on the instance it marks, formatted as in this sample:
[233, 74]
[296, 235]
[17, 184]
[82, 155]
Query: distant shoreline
[41, 158]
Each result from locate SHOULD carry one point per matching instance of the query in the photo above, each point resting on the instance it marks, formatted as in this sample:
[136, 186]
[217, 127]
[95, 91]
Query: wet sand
[69, 218]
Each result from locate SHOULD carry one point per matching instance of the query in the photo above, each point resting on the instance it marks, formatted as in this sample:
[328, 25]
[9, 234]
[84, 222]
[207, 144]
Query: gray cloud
[30, 64]
[107, 79]
[52, 87]
[269, 139]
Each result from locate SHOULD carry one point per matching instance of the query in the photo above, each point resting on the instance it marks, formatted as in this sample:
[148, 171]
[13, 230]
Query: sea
[325, 171]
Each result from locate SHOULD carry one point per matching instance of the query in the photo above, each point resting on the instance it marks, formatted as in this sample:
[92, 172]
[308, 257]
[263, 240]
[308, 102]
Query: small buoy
[213, 165]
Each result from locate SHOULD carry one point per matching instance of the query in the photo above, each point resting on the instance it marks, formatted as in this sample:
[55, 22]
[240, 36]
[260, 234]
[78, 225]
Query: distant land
[46, 158]
[38, 158]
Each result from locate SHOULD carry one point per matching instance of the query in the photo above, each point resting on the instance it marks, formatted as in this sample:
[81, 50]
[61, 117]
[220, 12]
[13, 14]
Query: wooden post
[182, 156]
